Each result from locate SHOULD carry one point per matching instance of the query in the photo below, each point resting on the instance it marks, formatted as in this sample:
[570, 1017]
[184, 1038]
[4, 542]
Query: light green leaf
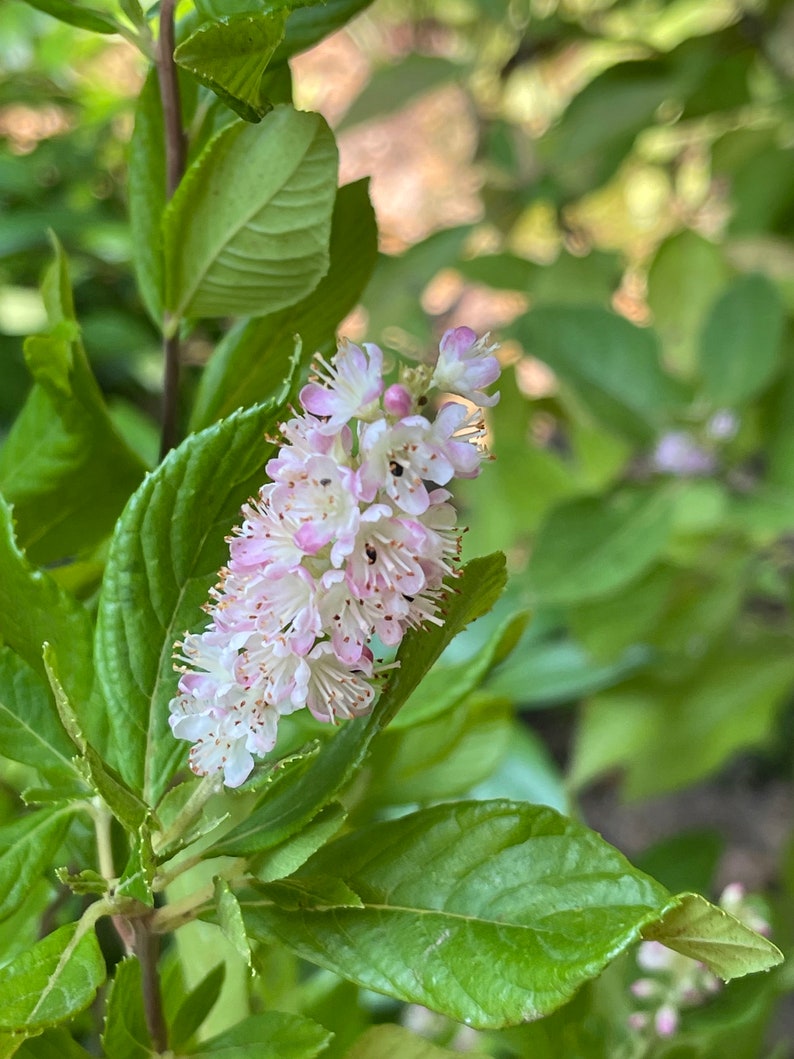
[164, 558]
[231, 55]
[741, 341]
[685, 277]
[538, 900]
[27, 846]
[30, 729]
[612, 366]
[63, 467]
[694, 927]
[255, 355]
[395, 1042]
[51, 982]
[125, 1035]
[230, 919]
[48, 615]
[307, 788]
[273, 1035]
[146, 194]
[195, 1007]
[247, 230]
[591, 546]
[286, 858]
[76, 15]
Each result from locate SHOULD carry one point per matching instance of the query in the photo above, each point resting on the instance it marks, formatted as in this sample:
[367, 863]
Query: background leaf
[247, 230]
[125, 1035]
[273, 1035]
[27, 846]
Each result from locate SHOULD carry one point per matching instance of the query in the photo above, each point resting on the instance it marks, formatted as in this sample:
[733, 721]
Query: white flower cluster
[351, 538]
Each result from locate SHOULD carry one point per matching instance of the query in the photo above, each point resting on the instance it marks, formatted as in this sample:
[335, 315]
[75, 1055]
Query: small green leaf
[27, 846]
[125, 1035]
[30, 729]
[51, 982]
[231, 55]
[77, 15]
[164, 558]
[538, 900]
[136, 879]
[273, 1035]
[694, 927]
[307, 788]
[256, 354]
[48, 615]
[741, 342]
[613, 366]
[84, 882]
[309, 23]
[230, 919]
[146, 194]
[247, 231]
[64, 467]
[286, 858]
[589, 546]
[52, 1044]
[195, 1007]
[395, 1042]
[315, 892]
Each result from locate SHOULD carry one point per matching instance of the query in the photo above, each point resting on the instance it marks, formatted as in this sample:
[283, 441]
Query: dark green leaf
[51, 982]
[52, 1044]
[247, 230]
[77, 15]
[270, 1036]
[146, 193]
[589, 547]
[539, 901]
[612, 365]
[393, 87]
[125, 1035]
[741, 342]
[27, 846]
[695, 928]
[164, 557]
[254, 357]
[304, 791]
[231, 55]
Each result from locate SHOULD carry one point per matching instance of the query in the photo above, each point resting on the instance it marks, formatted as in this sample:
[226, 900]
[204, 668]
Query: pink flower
[465, 366]
[353, 382]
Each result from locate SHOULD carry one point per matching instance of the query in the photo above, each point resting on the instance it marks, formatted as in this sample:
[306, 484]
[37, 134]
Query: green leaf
[612, 366]
[306, 789]
[394, 86]
[125, 1035]
[76, 15]
[51, 982]
[741, 342]
[395, 1042]
[30, 729]
[52, 1044]
[48, 615]
[696, 928]
[247, 230]
[63, 466]
[230, 919]
[685, 277]
[308, 24]
[195, 1007]
[539, 900]
[231, 55]
[136, 879]
[146, 194]
[164, 558]
[286, 858]
[590, 546]
[256, 354]
[27, 846]
[273, 1035]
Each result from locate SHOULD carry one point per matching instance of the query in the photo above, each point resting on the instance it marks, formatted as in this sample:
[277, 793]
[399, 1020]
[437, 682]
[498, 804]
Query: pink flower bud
[397, 400]
[666, 1020]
